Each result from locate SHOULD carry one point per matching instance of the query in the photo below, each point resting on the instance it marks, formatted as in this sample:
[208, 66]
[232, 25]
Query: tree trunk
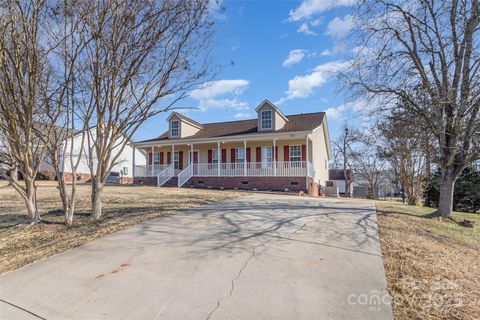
[30, 201]
[445, 204]
[97, 191]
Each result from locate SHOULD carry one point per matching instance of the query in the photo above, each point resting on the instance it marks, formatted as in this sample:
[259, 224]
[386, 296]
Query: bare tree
[25, 72]
[343, 153]
[142, 53]
[404, 144]
[433, 45]
[71, 132]
[369, 167]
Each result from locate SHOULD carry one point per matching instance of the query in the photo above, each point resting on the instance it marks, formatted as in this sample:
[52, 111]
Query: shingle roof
[297, 122]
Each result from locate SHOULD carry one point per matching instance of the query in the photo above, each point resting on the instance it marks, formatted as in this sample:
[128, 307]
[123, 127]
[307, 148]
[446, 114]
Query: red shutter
[304, 152]
[232, 155]
[150, 158]
[286, 153]
[224, 155]
[249, 155]
[210, 156]
[161, 158]
[180, 160]
[169, 157]
[276, 153]
[258, 156]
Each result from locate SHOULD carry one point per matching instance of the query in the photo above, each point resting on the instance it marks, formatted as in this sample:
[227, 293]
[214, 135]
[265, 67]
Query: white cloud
[221, 94]
[308, 8]
[360, 107]
[294, 57]
[304, 28]
[212, 89]
[303, 86]
[243, 115]
[333, 114]
[340, 27]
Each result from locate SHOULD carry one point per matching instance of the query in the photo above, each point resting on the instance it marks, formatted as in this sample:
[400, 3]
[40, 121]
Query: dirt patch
[432, 266]
[124, 206]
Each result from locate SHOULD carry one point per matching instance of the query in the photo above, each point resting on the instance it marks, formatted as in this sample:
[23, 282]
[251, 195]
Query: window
[156, 158]
[296, 153]
[266, 119]
[175, 127]
[175, 161]
[215, 156]
[239, 155]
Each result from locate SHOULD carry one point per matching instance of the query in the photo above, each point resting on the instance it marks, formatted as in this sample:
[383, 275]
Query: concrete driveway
[260, 256]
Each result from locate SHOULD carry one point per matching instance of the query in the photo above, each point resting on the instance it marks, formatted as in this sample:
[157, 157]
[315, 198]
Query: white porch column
[219, 155]
[172, 157]
[274, 158]
[191, 160]
[306, 159]
[151, 165]
[244, 157]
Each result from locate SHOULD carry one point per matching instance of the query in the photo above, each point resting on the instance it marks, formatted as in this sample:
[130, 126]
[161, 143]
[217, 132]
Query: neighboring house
[122, 171]
[336, 183]
[272, 152]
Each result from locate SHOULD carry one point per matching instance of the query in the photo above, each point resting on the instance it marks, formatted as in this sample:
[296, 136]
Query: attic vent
[244, 182]
[294, 183]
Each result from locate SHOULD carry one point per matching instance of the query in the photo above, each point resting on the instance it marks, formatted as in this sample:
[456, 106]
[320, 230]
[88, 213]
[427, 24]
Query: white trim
[251, 137]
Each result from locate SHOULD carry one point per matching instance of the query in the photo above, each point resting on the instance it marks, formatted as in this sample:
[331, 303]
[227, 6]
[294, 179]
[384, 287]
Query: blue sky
[284, 51]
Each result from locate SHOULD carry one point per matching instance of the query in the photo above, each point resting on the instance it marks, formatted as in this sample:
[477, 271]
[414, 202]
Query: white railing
[165, 175]
[150, 170]
[185, 175]
[258, 169]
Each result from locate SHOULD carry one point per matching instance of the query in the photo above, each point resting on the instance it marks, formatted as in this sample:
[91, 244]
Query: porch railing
[149, 170]
[165, 175]
[185, 175]
[252, 169]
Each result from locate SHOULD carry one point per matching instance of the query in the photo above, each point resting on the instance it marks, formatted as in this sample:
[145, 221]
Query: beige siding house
[272, 152]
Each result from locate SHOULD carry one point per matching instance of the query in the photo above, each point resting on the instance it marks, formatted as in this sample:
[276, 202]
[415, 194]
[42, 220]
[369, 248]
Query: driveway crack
[232, 288]
[244, 266]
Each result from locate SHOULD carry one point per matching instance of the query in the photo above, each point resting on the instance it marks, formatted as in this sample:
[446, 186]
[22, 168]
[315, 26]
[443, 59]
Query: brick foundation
[249, 183]
[295, 184]
[147, 181]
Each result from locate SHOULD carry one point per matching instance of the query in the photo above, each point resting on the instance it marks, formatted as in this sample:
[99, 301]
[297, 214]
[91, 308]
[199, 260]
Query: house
[122, 171]
[336, 184]
[272, 152]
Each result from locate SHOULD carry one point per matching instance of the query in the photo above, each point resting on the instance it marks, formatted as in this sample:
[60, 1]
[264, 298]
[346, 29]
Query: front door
[267, 158]
[194, 160]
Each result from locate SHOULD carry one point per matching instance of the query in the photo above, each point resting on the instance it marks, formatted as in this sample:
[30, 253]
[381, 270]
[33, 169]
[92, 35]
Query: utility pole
[347, 186]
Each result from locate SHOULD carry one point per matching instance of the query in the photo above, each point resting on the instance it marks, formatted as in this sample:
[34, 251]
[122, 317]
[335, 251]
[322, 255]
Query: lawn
[124, 206]
[432, 266]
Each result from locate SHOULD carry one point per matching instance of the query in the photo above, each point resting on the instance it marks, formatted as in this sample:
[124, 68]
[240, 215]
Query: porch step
[173, 182]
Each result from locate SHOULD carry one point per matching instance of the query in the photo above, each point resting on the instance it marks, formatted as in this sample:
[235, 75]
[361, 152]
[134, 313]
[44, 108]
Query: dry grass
[124, 206]
[432, 266]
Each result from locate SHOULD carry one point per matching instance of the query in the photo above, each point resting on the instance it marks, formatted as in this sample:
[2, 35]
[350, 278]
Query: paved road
[256, 257]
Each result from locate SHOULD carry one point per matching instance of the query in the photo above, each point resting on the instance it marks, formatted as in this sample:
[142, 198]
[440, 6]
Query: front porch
[257, 164]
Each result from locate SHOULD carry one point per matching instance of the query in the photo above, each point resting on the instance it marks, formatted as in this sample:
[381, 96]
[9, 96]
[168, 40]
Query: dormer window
[175, 128]
[266, 119]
